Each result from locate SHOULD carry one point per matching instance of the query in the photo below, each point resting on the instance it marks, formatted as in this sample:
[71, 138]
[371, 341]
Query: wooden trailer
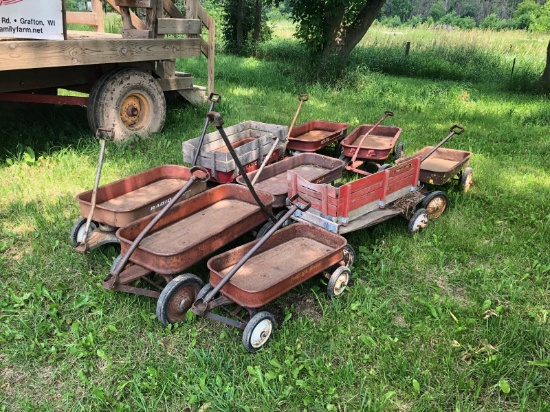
[126, 75]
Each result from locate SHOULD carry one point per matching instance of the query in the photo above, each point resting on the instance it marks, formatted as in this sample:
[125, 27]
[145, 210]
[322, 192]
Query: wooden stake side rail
[348, 201]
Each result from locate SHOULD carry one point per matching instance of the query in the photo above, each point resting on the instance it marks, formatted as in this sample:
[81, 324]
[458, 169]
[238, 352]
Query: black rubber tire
[258, 331]
[466, 179]
[349, 255]
[399, 150]
[338, 281]
[269, 224]
[435, 203]
[177, 298]
[418, 221]
[77, 231]
[121, 92]
[204, 291]
[92, 98]
[115, 263]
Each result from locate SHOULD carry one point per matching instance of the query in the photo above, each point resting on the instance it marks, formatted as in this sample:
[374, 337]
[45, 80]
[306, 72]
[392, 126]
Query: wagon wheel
[467, 179]
[177, 298]
[258, 331]
[269, 224]
[338, 281]
[130, 102]
[435, 203]
[349, 255]
[204, 291]
[398, 151]
[78, 231]
[418, 221]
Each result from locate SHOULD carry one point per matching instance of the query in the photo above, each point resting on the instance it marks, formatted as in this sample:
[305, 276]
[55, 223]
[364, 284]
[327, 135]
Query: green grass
[453, 319]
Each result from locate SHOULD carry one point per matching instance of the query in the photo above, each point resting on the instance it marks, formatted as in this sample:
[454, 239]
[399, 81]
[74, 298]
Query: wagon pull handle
[301, 98]
[349, 166]
[455, 129]
[293, 201]
[200, 173]
[214, 98]
[103, 133]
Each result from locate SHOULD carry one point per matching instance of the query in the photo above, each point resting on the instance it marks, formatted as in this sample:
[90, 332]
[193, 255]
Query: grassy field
[453, 319]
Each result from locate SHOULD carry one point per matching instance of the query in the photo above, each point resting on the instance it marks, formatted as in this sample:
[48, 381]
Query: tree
[545, 78]
[333, 27]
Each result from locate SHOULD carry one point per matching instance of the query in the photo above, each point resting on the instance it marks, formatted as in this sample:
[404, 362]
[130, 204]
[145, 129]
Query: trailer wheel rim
[135, 111]
[261, 333]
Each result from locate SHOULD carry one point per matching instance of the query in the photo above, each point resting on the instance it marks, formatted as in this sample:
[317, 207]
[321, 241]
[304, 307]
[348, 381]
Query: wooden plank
[97, 9]
[19, 80]
[137, 34]
[134, 3]
[78, 17]
[172, 10]
[176, 83]
[166, 69]
[16, 55]
[135, 21]
[179, 26]
[126, 18]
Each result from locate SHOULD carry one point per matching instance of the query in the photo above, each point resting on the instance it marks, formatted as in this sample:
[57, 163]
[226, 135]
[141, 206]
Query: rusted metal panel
[316, 134]
[376, 146]
[194, 228]
[120, 203]
[307, 251]
[312, 167]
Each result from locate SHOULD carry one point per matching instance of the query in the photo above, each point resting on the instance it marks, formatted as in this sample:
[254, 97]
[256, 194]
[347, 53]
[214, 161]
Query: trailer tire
[258, 331]
[177, 298]
[92, 98]
[435, 203]
[128, 101]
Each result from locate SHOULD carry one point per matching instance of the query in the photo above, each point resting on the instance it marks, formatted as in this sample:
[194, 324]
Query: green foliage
[238, 26]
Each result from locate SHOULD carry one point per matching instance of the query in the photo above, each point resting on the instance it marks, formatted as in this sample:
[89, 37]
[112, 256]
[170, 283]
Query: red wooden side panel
[367, 190]
[323, 197]
[403, 175]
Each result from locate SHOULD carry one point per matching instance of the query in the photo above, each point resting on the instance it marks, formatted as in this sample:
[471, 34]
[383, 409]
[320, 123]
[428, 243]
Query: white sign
[31, 19]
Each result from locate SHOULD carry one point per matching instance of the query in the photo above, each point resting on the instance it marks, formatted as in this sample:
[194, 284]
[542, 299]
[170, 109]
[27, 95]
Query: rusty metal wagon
[252, 275]
[367, 146]
[439, 166]
[313, 167]
[314, 135]
[123, 201]
[156, 251]
[369, 200]
[252, 142]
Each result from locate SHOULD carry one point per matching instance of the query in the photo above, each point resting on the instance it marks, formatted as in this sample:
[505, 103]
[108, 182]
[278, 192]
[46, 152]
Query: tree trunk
[257, 22]
[239, 25]
[545, 78]
[347, 37]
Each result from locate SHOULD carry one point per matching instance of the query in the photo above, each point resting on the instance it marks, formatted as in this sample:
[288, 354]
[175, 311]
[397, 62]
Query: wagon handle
[200, 173]
[103, 133]
[302, 208]
[455, 129]
[301, 98]
[216, 120]
[214, 98]
[349, 166]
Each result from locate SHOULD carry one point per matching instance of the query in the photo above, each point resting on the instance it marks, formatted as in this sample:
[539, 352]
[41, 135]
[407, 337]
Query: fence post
[407, 49]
